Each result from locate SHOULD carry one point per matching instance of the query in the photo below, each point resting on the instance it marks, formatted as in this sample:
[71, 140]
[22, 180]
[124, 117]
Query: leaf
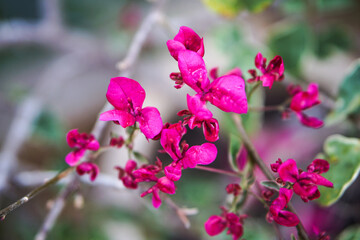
[329, 40]
[140, 157]
[350, 233]
[271, 185]
[48, 127]
[290, 43]
[227, 8]
[348, 101]
[343, 155]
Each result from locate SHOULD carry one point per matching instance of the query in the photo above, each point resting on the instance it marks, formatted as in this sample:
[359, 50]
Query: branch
[254, 156]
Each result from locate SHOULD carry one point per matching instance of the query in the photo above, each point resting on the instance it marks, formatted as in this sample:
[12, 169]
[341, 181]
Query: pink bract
[186, 39]
[88, 168]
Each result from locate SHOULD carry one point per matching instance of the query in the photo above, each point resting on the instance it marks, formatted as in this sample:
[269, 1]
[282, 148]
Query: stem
[252, 90]
[220, 171]
[254, 156]
[34, 192]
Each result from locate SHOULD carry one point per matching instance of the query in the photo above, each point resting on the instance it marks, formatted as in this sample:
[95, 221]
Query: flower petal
[287, 219]
[150, 122]
[203, 154]
[228, 94]
[312, 122]
[74, 157]
[125, 119]
[288, 171]
[215, 225]
[198, 108]
[89, 168]
[125, 93]
[190, 39]
[193, 70]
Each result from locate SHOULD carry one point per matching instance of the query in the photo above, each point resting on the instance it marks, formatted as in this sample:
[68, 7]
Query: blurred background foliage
[318, 39]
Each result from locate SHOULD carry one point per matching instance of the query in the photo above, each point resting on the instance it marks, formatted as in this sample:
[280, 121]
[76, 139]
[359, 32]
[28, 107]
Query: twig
[181, 212]
[254, 156]
[34, 192]
[220, 171]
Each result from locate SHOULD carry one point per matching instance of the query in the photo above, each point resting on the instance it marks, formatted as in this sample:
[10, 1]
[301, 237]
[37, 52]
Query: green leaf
[350, 233]
[140, 157]
[256, 6]
[290, 43]
[227, 8]
[348, 101]
[329, 40]
[271, 185]
[343, 154]
[48, 127]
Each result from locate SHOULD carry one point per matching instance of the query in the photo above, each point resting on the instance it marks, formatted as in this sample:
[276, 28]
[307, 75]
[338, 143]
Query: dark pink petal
[125, 93]
[288, 171]
[193, 70]
[275, 166]
[170, 140]
[305, 99]
[316, 179]
[125, 119]
[129, 182]
[276, 67]
[312, 122]
[211, 130]
[175, 47]
[144, 175]
[72, 138]
[260, 62]
[215, 225]
[242, 158]
[228, 94]
[319, 166]
[287, 219]
[191, 40]
[130, 166]
[156, 200]
[166, 185]
[173, 172]
[305, 189]
[233, 188]
[92, 144]
[268, 80]
[203, 154]
[280, 202]
[214, 73]
[74, 157]
[198, 108]
[150, 122]
[89, 168]
[236, 230]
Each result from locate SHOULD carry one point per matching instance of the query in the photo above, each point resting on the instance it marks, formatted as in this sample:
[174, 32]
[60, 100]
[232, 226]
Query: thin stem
[34, 192]
[220, 171]
[252, 90]
[254, 156]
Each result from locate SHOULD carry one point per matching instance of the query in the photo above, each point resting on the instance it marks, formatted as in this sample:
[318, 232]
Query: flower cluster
[233, 222]
[303, 100]
[303, 183]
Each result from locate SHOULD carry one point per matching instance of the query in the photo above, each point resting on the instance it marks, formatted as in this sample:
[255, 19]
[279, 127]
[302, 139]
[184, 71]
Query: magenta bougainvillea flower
[81, 142]
[217, 224]
[303, 100]
[127, 96]
[88, 168]
[185, 39]
[276, 212]
[304, 183]
[274, 72]
[164, 185]
[226, 92]
[199, 116]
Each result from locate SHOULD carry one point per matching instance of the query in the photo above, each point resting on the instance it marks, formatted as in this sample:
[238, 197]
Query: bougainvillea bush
[257, 192]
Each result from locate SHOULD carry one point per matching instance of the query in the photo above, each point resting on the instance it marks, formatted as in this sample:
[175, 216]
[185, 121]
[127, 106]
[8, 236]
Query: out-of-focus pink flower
[81, 142]
[117, 142]
[127, 96]
[277, 213]
[217, 224]
[88, 168]
[274, 72]
[233, 188]
[305, 183]
[186, 39]
[303, 100]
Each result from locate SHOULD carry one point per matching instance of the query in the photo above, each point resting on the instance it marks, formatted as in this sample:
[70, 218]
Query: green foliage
[231, 8]
[270, 184]
[329, 40]
[48, 127]
[255, 230]
[343, 154]
[290, 42]
[351, 233]
[348, 101]
[333, 5]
